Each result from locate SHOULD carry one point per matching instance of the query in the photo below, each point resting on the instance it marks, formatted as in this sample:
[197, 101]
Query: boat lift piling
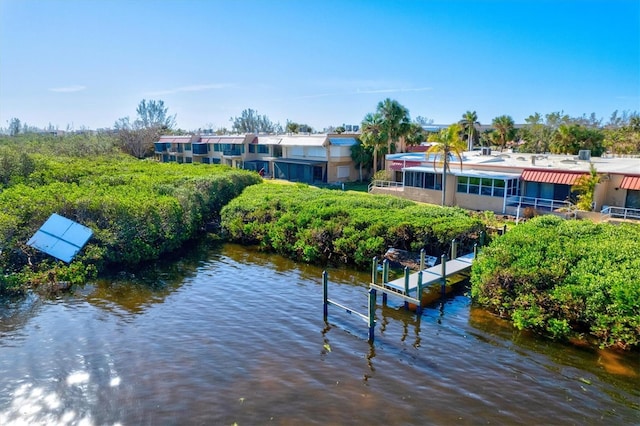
[404, 287]
[370, 319]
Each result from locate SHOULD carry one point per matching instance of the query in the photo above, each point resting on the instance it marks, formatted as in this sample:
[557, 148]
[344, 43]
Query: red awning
[543, 176]
[631, 182]
[398, 165]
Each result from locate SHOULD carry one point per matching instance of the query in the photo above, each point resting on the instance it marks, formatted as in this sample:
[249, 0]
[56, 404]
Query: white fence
[621, 212]
[538, 203]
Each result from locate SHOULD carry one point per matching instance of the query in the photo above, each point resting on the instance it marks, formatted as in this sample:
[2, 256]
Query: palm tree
[469, 122]
[415, 136]
[373, 135]
[361, 156]
[564, 139]
[396, 121]
[504, 126]
[446, 143]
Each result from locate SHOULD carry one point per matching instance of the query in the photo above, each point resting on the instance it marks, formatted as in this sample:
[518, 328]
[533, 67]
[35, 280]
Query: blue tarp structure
[60, 237]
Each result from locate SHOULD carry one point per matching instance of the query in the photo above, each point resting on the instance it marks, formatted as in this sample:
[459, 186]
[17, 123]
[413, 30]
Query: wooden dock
[410, 287]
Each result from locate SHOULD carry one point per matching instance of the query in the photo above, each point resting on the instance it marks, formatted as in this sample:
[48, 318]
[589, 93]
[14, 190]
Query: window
[463, 182]
[317, 151]
[424, 180]
[487, 186]
[474, 185]
[187, 147]
[343, 172]
[258, 149]
[296, 151]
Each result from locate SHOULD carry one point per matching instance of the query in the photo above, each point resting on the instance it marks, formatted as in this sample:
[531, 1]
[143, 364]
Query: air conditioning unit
[486, 150]
[584, 154]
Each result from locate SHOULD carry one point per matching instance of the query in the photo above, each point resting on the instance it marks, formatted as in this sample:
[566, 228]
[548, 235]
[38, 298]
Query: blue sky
[323, 63]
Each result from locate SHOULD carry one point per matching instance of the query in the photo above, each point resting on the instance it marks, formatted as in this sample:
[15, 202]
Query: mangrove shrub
[138, 210]
[321, 225]
[562, 278]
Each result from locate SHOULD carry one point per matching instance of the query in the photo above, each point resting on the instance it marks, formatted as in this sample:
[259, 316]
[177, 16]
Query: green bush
[321, 225]
[138, 210]
[563, 278]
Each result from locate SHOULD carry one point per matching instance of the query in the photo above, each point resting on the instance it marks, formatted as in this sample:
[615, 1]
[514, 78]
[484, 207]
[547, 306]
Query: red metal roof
[631, 182]
[544, 176]
[398, 165]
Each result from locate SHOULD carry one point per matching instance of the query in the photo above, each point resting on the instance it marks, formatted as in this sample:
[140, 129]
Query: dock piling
[406, 284]
[422, 257]
[385, 278]
[454, 249]
[443, 263]
[419, 295]
[325, 294]
[374, 270]
[372, 313]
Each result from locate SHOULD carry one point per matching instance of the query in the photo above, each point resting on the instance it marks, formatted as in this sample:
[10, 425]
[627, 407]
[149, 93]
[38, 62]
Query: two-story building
[309, 158]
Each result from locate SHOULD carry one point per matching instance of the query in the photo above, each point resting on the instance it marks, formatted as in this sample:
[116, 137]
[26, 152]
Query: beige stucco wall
[611, 195]
[332, 171]
[479, 202]
[430, 196]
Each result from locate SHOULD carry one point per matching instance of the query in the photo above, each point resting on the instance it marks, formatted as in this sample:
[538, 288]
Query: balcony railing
[385, 184]
[621, 212]
[538, 203]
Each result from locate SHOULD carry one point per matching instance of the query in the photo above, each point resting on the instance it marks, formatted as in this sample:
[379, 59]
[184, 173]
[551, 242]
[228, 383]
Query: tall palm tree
[469, 122]
[504, 126]
[361, 156]
[373, 135]
[446, 143]
[396, 121]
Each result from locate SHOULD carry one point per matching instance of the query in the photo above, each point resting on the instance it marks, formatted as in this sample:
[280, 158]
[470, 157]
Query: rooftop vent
[584, 154]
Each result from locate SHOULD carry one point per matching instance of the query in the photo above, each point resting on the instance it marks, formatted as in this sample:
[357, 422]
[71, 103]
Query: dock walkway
[410, 287]
[430, 275]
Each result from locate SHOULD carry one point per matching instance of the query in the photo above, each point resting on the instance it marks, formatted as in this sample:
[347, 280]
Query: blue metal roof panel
[343, 141]
[60, 237]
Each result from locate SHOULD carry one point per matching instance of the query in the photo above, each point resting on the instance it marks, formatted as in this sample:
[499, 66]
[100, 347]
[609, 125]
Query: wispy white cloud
[193, 88]
[67, 89]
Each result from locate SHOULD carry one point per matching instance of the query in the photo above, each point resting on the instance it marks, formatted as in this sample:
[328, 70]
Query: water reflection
[236, 336]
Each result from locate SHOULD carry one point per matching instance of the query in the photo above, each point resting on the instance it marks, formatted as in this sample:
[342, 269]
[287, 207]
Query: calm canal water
[225, 336]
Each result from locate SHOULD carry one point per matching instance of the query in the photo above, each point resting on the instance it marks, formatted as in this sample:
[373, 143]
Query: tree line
[390, 130]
